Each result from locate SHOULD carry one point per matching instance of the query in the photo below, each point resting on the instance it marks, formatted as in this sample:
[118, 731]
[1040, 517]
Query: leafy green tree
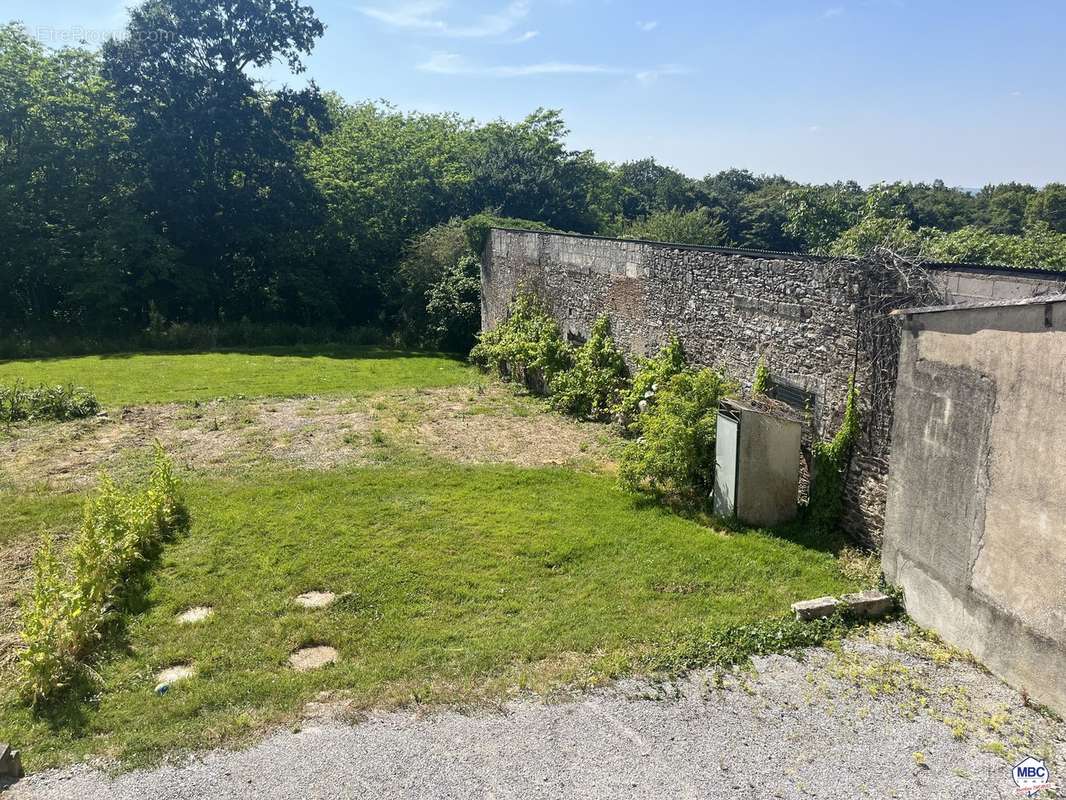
[1048, 206]
[646, 187]
[724, 194]
[698, 227]
[818, 215]
[453, 306]
[1001, 208]
[763, 216]
[385, 177]
[221, 179]
[938, 206]
[1040, 246]
[74, 248]
[524, 170]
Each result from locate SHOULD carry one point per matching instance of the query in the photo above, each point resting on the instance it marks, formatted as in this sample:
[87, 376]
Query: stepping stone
[316, 599]
[178, 672]
[195, 614]
[171, 675]
[309, 658]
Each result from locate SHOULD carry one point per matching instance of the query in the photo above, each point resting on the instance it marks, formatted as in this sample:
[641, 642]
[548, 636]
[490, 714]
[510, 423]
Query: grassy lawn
[452, 576]
[458, 580]
[267, 372]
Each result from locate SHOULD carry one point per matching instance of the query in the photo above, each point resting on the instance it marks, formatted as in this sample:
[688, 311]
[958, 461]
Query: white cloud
[425, 16]
[525, 37]
[455, 64]
[835, 11]
[648, 26]
[647, 76]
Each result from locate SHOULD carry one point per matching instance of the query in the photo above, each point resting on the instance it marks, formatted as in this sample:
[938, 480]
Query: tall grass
[19, 403]
[72, 600]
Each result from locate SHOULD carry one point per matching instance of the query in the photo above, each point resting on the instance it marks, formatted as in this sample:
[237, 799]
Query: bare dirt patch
[206, 437]
[464, 424]
[493, 425]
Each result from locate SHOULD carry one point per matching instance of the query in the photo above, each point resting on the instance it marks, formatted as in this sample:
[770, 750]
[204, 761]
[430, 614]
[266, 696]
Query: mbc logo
[1031, 776]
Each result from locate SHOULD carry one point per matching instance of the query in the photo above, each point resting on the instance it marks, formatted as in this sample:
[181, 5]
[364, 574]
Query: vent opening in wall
[792, 395]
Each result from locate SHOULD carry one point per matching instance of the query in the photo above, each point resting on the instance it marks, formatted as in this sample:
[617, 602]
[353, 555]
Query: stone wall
[814, 319]
[976, 517]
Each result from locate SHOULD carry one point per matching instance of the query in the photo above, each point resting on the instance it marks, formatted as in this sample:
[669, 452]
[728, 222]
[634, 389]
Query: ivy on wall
[826, 505]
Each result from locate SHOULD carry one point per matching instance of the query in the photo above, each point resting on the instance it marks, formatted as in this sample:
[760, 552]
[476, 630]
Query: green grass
[455, 577]
[458, 583]
[267, 372]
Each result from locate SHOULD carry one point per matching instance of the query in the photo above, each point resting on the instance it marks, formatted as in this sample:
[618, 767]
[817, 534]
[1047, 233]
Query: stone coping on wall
[987, 269]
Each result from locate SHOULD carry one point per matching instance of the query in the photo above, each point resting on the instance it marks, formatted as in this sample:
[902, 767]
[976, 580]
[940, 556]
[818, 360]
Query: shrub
[652, 373]
[19, 403]
[826, 504]
[527, 346]
[590, 388]
[66, 612]
[675, 451]
[453, 306]
[699, 227]
[761, 384]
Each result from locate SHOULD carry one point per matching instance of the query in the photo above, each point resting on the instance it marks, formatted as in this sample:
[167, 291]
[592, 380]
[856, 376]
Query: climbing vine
[826, 505]
[591, 387]
[527, 346]
[761, 384]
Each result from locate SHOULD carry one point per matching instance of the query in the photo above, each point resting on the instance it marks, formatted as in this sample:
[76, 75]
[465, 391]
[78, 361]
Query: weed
[65, 613]
[19, 403]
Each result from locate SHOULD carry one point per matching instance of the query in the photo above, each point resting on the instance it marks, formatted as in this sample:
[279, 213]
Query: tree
[1049, 206]
[453, 307]
[384, 178]
[645, 187]
[74, 249]
[524, 170]
[1001, 209]
[221, 179]
[699, 227]
[818, 215]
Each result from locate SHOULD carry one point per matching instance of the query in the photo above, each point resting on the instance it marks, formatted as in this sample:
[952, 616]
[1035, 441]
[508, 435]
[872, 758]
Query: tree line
[156, 182]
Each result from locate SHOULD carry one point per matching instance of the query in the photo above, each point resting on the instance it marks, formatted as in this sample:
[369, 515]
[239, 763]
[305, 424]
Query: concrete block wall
[976, 515]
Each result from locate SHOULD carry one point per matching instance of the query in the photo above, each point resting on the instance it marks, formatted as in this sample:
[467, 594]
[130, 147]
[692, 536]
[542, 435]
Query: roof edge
[1036, 300]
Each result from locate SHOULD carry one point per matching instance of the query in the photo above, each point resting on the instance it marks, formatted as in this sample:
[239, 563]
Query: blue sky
[966, 90]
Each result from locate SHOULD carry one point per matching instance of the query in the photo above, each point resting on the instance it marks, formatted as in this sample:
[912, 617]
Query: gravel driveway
[888, 715]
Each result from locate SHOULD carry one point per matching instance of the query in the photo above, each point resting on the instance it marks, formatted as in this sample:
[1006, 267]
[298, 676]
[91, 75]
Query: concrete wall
[975, 528]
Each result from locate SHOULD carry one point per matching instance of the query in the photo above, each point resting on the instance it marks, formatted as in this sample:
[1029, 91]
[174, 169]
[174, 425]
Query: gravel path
[826, 726]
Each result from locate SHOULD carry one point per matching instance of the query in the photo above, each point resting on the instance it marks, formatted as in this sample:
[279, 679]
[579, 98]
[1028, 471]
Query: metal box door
[726, 447]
